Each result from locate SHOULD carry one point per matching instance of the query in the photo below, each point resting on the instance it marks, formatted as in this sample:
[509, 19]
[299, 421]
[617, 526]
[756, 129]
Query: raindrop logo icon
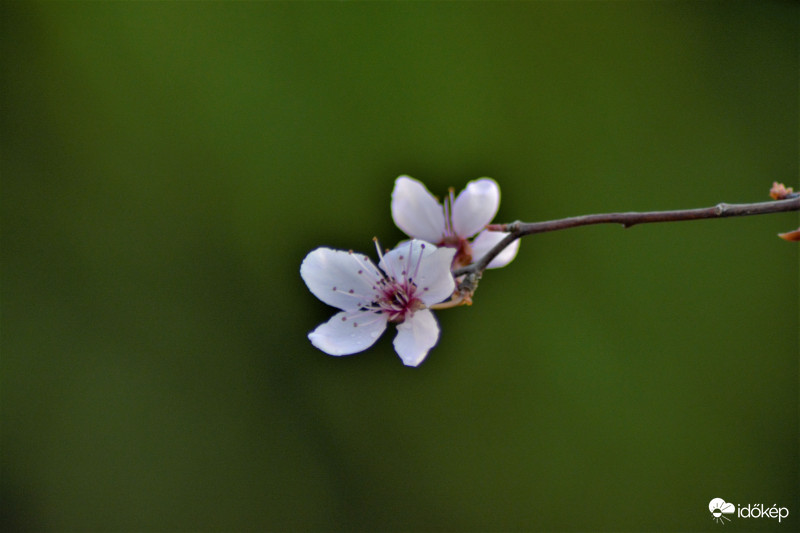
[719, 508]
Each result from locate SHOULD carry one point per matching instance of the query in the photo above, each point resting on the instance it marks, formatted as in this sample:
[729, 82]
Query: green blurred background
[167, 166]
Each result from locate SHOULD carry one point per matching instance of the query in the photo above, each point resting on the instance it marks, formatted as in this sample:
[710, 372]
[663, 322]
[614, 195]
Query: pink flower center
[399, 302]
[397, 290]
[463, 255]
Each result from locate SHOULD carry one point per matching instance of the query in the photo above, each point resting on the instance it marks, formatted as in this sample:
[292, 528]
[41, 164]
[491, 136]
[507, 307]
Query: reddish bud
[779, 191]
[791, 235]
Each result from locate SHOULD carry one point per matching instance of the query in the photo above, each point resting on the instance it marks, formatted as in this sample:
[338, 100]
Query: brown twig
[519, 229]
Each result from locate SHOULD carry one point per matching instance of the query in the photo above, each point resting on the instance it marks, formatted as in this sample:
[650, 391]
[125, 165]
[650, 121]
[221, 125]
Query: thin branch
[520, 229]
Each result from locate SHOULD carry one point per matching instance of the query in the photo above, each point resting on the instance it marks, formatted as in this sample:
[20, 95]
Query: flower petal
[348, 333]
[342, 279]
[416, 336]
[434, 281]
[424, 265]
[475, 206]
[487, 240]
[416, 211]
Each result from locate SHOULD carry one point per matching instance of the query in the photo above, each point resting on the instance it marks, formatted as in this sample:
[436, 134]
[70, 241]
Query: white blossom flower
[412, 277]
[420, 215]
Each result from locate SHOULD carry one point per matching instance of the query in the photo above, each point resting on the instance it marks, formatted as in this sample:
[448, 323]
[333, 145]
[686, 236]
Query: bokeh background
[167, 166]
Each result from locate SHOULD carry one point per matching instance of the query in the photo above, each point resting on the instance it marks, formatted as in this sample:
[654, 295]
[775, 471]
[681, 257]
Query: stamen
[369, 319]
[449, 203]
[407, 275]
[447, 217]
[366, 265]
[419, 260]
[386, 265]
[351, 292]
[378, 247]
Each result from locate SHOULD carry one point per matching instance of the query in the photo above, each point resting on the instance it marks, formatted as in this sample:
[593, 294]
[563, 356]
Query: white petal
[487, 240]
[342, 279]
[424, 265]
[416, 336]
[433, 280]
[348, 333]
[475, 206]
[416, 211]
